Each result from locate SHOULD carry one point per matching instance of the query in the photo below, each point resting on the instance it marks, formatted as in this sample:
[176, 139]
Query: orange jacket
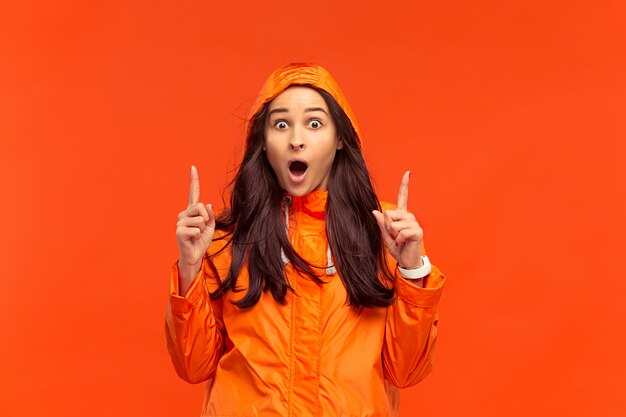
[313, 356]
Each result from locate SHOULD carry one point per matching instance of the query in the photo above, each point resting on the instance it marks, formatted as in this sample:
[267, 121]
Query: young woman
[307, 296]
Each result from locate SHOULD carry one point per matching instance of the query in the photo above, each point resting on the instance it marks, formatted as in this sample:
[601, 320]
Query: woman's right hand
[194, 233]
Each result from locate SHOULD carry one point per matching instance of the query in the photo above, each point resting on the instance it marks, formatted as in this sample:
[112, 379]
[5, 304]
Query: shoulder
[222, 236]
[220, 244]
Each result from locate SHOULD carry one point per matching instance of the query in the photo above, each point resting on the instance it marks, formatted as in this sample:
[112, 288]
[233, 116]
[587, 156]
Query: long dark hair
[256, 230]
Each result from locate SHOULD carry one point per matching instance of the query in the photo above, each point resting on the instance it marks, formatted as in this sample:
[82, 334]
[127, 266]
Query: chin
[299, 190]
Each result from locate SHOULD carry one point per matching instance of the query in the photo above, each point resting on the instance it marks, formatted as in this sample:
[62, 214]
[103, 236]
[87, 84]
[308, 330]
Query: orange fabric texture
[313, 356]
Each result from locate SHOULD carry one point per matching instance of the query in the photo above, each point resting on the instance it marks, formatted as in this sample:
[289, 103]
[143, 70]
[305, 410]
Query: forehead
[298, 97]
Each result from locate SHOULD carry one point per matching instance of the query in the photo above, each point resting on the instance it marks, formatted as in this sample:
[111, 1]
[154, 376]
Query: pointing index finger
[403, 193]
[194, 186]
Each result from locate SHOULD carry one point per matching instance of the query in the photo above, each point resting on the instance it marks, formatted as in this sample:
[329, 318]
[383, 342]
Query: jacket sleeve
[411, 330]
[194, 332]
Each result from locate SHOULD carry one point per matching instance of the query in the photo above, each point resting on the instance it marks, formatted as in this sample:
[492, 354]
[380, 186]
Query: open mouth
[298, 168]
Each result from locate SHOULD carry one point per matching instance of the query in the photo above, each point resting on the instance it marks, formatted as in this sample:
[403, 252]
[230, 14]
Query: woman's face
[300, 140]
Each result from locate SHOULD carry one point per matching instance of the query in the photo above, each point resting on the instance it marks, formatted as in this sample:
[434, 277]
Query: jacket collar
[313, 203]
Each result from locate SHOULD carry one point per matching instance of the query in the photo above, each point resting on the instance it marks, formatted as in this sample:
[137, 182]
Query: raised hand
[194, 232]
[401, 233]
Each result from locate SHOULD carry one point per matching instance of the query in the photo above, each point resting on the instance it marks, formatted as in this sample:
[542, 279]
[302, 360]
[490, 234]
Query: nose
[296, 143]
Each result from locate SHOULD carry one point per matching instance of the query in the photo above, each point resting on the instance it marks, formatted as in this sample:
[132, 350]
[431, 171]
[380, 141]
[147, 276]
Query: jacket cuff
[185, 303]
[421, 297]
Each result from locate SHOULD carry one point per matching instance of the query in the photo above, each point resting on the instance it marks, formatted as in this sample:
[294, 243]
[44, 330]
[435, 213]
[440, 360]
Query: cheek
[326, 163]
[331, 158]
[273, 156]
[271, 143]
[330, 151]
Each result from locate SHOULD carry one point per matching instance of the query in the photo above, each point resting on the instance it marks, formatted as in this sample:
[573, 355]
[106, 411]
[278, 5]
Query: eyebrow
[308, 109]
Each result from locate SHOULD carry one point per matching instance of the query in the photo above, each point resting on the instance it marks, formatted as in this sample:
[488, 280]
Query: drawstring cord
[330, 268]
[282, 251]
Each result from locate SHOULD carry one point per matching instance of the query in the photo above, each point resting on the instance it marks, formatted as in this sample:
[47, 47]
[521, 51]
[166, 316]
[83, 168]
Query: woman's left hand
[401, 233]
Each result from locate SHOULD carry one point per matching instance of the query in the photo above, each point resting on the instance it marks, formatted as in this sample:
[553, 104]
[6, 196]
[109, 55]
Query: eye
[280, 124]
[315, 124]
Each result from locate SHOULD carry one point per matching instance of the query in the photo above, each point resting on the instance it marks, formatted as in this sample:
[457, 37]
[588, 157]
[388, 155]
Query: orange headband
[298, 74]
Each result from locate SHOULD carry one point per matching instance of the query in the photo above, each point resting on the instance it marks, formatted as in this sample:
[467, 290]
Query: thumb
[211, 221]
[380, 220]
[207, 234]
[387, 239]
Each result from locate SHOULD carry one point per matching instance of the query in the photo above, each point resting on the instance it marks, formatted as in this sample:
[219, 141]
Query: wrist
[187, 272]
[416, 273]
[420, 263]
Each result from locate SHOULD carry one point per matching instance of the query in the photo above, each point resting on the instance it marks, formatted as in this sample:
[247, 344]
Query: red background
[509, 114]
